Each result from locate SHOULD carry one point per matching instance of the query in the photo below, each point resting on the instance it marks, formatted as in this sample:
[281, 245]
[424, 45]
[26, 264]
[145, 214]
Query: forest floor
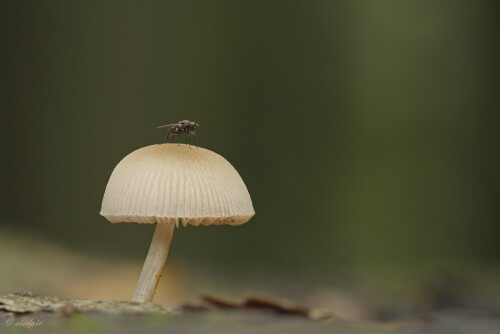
[189, 297]
[20, 313]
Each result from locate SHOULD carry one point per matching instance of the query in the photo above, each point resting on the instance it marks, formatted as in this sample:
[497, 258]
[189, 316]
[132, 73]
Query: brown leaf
[220, 302]
[264, 302]
[278, 305]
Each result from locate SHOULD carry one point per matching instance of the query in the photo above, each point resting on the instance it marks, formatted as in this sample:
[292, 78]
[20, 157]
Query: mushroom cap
[170, 182]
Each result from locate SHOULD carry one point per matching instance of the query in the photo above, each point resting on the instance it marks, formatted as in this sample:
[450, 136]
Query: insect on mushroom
[164, 184]
[182, 127]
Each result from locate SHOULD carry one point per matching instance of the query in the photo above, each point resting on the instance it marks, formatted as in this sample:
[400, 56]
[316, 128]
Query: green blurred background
[365, 131]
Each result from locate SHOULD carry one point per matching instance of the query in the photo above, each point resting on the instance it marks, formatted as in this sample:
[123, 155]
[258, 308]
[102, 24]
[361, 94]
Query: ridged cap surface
[170, 182]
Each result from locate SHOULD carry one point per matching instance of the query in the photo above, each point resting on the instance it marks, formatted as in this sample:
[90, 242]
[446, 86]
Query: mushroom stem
[153, 266]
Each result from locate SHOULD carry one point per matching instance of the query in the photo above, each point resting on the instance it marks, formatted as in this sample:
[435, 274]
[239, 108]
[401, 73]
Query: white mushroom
[169, 183]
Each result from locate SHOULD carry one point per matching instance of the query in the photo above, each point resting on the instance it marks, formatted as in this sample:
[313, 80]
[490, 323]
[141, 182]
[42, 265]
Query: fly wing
[166, 126]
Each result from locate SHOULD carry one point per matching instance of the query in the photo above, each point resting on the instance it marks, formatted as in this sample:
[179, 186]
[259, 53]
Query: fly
[182, 127]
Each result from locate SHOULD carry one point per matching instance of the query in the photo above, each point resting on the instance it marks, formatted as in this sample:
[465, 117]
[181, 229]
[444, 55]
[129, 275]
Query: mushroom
[167, 184]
